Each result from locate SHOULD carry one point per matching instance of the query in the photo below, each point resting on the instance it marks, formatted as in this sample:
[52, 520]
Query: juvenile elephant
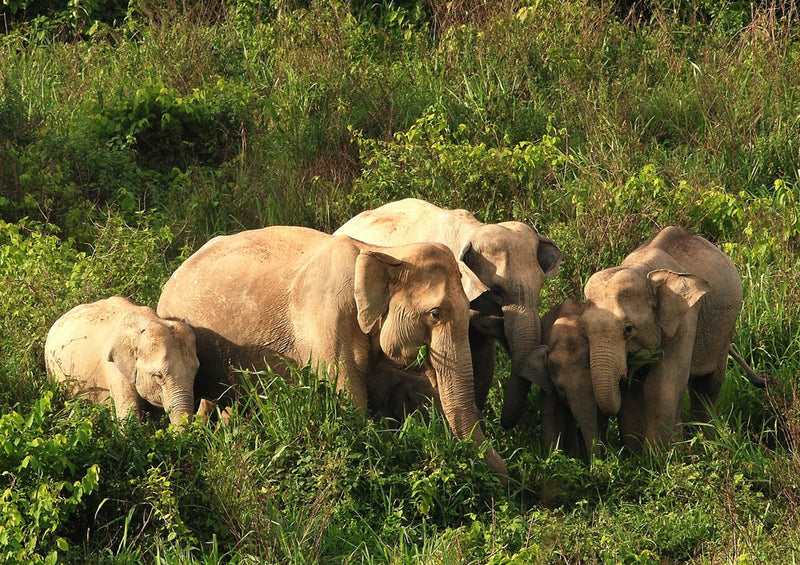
[395, 391]
[569, 413]
[115, 348]
[261, 296]
[510, 258]
[661, 320]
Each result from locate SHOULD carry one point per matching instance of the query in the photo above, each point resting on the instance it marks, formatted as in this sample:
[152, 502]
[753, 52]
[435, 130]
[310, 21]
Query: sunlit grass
[595, 129]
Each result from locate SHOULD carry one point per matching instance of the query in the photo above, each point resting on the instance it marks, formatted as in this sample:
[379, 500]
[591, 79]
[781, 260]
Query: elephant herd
[404, 305]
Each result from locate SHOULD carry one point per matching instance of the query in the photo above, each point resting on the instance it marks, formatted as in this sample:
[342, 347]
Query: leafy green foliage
[131, 136]
[42, 483]
[167, 130]
[41, 277]
[433, 162]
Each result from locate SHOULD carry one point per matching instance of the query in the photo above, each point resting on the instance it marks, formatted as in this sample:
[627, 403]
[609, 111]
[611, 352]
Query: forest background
[132, 132]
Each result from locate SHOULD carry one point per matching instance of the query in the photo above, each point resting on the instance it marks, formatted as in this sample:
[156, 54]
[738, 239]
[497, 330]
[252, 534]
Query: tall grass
[125, 146]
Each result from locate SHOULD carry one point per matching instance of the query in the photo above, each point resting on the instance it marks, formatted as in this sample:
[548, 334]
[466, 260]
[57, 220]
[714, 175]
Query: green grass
[127, 144]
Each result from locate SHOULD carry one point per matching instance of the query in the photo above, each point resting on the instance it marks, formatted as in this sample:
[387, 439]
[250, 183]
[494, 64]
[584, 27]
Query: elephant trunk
[590, 433]
[523, 332]
[453, 367]
[179, 402]
[607, 367]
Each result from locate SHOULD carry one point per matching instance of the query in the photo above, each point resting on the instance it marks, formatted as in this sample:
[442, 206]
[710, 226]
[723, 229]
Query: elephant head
[415, 298]
[628, 312]
[514, 261]
[159, 357]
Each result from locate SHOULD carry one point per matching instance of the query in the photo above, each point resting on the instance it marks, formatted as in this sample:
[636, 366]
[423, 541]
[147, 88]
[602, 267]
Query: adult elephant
[115, 348]
[510, 258]
[289, 293]
[661, 320]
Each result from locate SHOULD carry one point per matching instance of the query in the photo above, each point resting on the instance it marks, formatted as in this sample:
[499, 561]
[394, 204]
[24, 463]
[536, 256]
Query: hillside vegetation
[131, 133]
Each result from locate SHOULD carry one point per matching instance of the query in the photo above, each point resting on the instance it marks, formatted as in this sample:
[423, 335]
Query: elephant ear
[374, 273]
[549, 256]
[675, 293]
[535, 367]
[473, 287]
[465, 255]
[123, 350]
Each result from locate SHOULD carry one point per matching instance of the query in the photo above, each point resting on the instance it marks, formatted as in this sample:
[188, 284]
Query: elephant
[570, 417]
[115, 348]
[510, 258]
[395, 392]
[284, 295]
[659, 323]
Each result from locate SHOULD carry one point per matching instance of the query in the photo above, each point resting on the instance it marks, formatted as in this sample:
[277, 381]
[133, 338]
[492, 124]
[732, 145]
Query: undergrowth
[131, 133]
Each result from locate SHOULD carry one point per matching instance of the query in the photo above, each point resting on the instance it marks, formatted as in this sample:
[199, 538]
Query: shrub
[43, 483]
[439, 163]
[166, 129]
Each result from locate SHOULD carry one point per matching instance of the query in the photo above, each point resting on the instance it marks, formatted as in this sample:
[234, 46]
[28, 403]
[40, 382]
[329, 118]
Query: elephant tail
[754, 378]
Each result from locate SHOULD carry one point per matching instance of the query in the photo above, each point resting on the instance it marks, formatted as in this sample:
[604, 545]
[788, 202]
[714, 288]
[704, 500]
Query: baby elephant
[116, 348]
[570, 417]
[394, 391]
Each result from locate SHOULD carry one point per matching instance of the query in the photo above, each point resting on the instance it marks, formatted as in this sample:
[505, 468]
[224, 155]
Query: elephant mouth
[409, 359]
[419, 360]
[642, 357]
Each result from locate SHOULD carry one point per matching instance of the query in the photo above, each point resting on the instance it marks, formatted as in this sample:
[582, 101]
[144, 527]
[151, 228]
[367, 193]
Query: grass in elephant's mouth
[422, 358]
[639, 358]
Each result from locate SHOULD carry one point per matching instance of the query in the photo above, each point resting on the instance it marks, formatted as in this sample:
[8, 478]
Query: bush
[436, 162]
[167, 130]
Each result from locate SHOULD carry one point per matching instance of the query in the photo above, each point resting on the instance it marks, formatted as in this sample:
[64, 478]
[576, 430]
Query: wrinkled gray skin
[676, 299]
[114, 348]
[510, 258]
[569, 414]
[291, 294]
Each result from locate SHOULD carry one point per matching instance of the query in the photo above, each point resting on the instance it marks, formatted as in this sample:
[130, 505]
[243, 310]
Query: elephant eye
[435, 314]
[628, 332]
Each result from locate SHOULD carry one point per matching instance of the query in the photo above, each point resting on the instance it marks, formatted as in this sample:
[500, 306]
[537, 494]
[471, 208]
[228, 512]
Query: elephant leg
[351, 381]
[482, 349]
[662, 392]
[704, 391]
[571, 438]
[631, 417]
[667, 381]
[602, 427]
[123, 392]
[205, 409]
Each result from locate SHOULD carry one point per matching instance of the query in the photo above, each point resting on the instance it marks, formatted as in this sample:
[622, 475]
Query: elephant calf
[115, 348]
[395, 392]
[569, 413]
